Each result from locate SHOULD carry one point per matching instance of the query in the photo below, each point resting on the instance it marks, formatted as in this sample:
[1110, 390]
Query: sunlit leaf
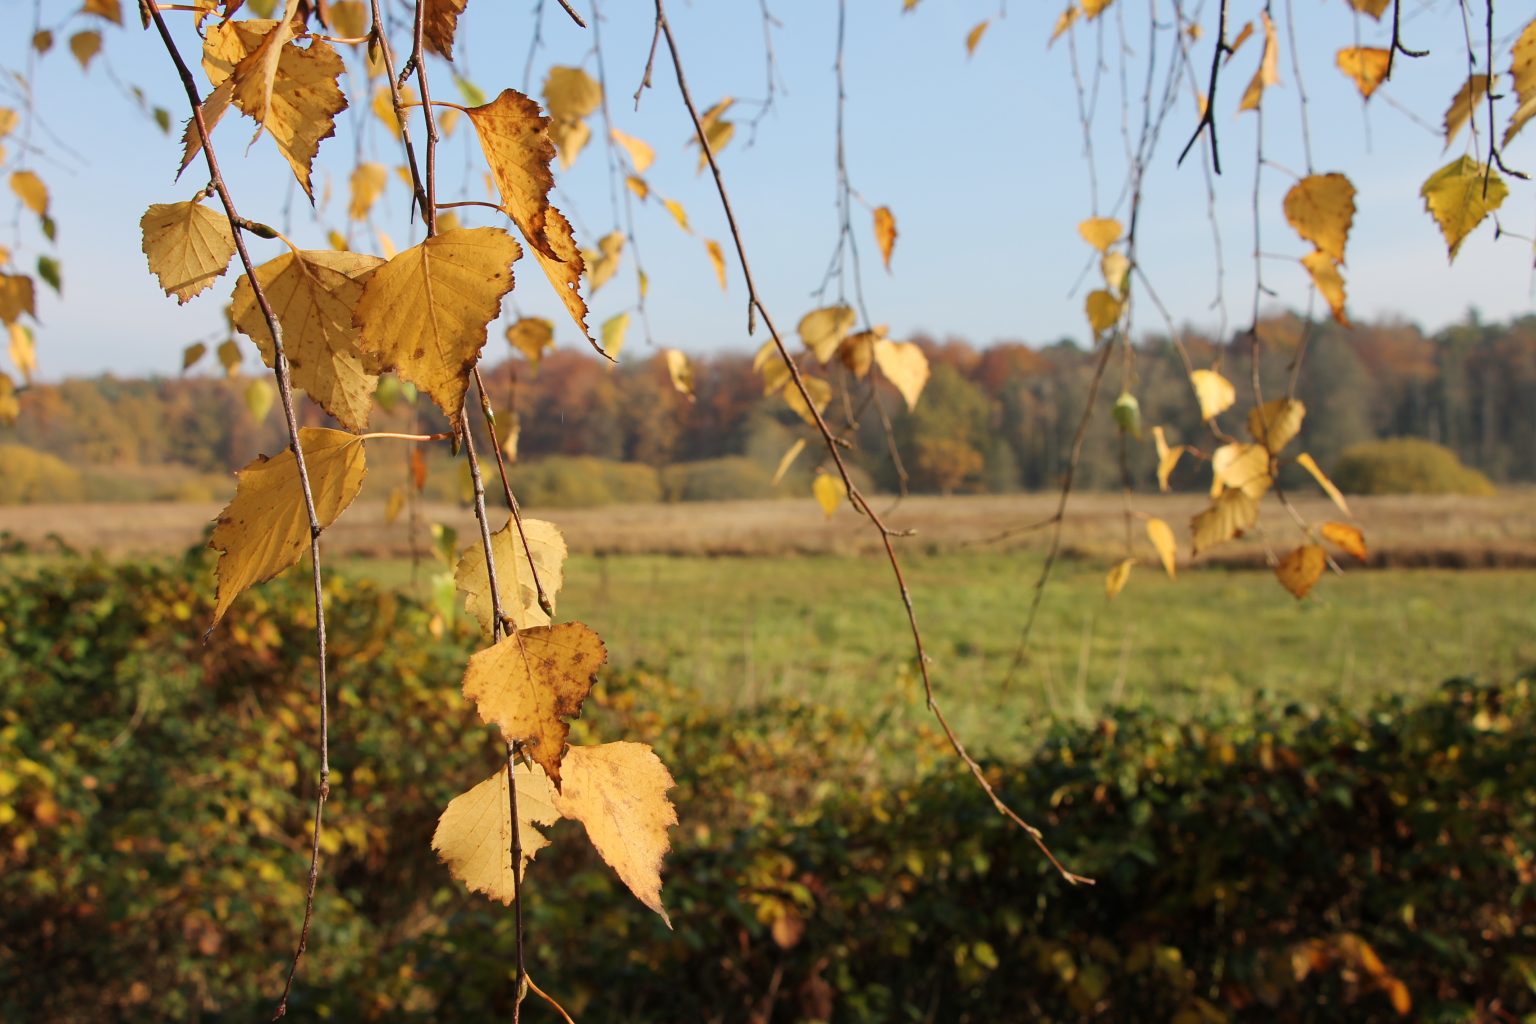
[188, 246]
[191, 354]
[1523, 75]
[1118, 577]
[1276, 422]
[1241, 466]
[532, 336]
[819, 390]
[570, 94]
[23, 350]
[716, 259]
[679, 214]
[1328, 282]
[17, 296]
[823, 330]
[1214, 392]
[1347, 538]
[603, 263]
[1459, 112]
[613, 332]
[259, 396]
[1101, 232]
[1103, 310]
[1229, 516]
[439, 23]
[1268, 73]
[679, 370]
[516, 566]
[1306, 462]
[1161, 536]
[1065, 21]
[885, 233]
[1375, 8]
[905, 366]
[10, 407]
[1167, 458]
[29, 188]
[1321, 208]
[1300, 570]
[787, 459]
[830, 492]
[85, 46]
[858, 351]
[1366, 65]
[640, 153]
[1460, 196]
[474, 835]
[973, 37]
[368, 183]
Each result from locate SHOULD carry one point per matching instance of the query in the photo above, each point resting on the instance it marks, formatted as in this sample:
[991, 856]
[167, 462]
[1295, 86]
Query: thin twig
[1208, 117]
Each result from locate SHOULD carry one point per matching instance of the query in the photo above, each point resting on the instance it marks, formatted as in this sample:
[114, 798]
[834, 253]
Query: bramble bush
[1282, 863]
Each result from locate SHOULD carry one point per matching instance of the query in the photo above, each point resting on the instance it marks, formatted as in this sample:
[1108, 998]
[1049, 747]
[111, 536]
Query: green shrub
[575, 481]
[1281, 864]
[1406, 465]
[28, 476]
[733, 478]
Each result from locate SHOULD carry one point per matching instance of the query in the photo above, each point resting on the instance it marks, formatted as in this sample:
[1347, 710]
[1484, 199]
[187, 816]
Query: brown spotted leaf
[439, 23]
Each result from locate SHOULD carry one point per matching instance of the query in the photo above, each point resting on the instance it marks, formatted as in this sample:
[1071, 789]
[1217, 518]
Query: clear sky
[981, 159]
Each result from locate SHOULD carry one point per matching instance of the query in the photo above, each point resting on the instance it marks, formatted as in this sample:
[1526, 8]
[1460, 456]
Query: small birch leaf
[1456, 198]
[1306, 462]
[679, 370]
[1321, 208]
[1328, 282]
[1347, 538]
[823, 330]
[885, 233]
[819, 390]
[830, 491]
[474, 835]
[1118, 577]
[787, 459]
[1276, 422]
[1101, 232]
[1300, 570]
[905, 366]
[1227, 517]
[188, 246]
[1523, 74]
[1161, 536]
[1459, 112]
[1366, 65]
[1214, 392]
[514, 575]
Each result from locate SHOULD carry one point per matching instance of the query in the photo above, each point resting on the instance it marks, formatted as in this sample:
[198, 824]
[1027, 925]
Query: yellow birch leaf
[618, 791]
[474, 835]
[1116, 268]
[830, 491]
[532, 683]
[1321, 208]
[17, 296]
[191, 354]
[571, 94]
[1161, 536]
[1459, 112]
[1367, 65]
[819, 390]
[638, 186]
[1065, 21]
[679, 370]
[265, 529]
[8, 121]
[424, 313]
[1347, 538]
[823, 330]
[1300, 570]
[1268, 73]
[885, 233]
[1103, 310]
[570, 138]
[349, 18]
[229, 357]
[787, 459]
[1328, 282]
[717, 131]
[1227, 517]
[1243, 35]
[337, 241]
[29, 188]
[111, 10]
[10, 408]
[679, 214]
[1306, 462]
[1523, 74]
[1101, 232]
[603, 263]
[973, 37]
[1118, 577]
[1456, 197]
[386, 245]
[514, 575]
[1093, 8]
[395, 505]
[1375, 8]
[532, 336]
[23, 351]
[85, 46]
[259, 395]
[315, 294]
[716, 259]
[858, 352]
[188, 246]
[640, 153]
[1214, 392]
[1276, 422]
[439, 23]
[905, 366]
[368, 183]
[613, 331]
[1241, 466]
[1167, 458]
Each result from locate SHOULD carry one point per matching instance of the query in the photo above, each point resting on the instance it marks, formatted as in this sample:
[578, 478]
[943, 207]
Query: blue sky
[981, 159]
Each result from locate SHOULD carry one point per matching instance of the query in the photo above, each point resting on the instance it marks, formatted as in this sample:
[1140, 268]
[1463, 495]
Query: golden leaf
[1214, 392]
[819, 390]
[974, 36]
[1226, 517]
[1101, 232]
[570, 138]
[1103, 310]
[1306, 462]
[1347, 538]
[1276, 422]
[1118, 577]
[613, 332]
[532, 336]
[716, 259]
[531, 683]
[265, 529]
[905, 366]
[229, 357]
[885, 233]
[474, 835]
[1367, 65]
[679, 214]
[17, 296]
[1065, 21]
[1459, 112]
[1375, 8]
[641, 155]
[571, 94]
[8, 121]
[1167, 458]
[787, 459]
[823, 330]
[679, 370]
[514, 575]
[830, 492]
[717, 131]
[1268, 73]
[618, 791]
[10, 408]
[259, 395]
[1321, 208]
[29, 188]
[191, 354]
[770, 367]
[1116, 268]
[349, 18]
[111, 10]
[638, 186]
[1243, 35]
[368, 183]
[424, 313]
[23, 350]
[1241, 466]
[1300, 570]
[1093, 8]
[1523, 75]
[602, 264]
[1328, 281]
[1397, 992]
[1456, 197]
[858, 352]
[1161, 536]
[315, 294]
[188, 245]
[255, 73]
[85, 46]
[439, 23]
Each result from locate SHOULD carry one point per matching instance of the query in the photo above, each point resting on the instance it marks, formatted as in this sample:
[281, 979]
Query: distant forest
[994, 419]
